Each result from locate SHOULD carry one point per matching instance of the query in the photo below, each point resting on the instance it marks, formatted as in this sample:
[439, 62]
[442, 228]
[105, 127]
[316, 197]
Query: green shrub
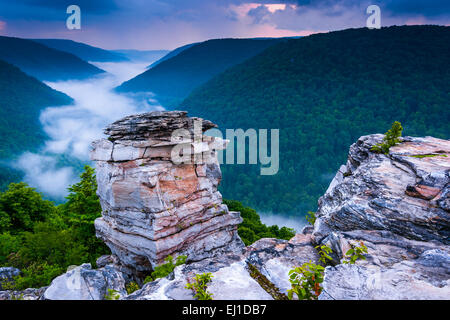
[200, 285]
[305, 281]
[132, 287]
[324, 253]
[21, 206]
[112, 295]
[311, 217]
[355, 253]
[9, 244]
[165, 269]
[37, 275]
[390, 139]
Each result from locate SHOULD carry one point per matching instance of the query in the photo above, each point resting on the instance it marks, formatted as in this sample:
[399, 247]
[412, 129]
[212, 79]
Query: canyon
[396, 204]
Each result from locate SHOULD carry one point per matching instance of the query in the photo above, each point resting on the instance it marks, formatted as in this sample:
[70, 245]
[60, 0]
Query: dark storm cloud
[31, 9]
[427, 8]
[166, 24]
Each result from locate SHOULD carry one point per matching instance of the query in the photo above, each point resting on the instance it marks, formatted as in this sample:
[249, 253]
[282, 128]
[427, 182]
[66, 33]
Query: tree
[81, 210]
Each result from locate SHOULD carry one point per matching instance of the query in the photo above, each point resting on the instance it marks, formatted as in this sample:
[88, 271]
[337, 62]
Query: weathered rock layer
[154, 206]
[398, 205]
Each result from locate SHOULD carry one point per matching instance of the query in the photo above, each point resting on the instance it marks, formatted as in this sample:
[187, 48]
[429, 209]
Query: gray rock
[104, 260]
[394, 192]
[7, 274]
[230, 281]
[84, 283]
[274, 258]
[154, 207]
[27, 294]
[396, 204]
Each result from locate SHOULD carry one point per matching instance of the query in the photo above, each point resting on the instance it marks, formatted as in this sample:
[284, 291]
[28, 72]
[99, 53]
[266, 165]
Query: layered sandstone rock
[154, 206]
[398, 205]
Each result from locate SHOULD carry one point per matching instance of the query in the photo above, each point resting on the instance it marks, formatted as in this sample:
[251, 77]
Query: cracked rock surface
[398, 205]
[153, 206]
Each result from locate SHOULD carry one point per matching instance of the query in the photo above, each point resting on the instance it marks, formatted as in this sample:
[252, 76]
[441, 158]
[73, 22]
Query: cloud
[296, 223]
[43, 173]
[2, 25]
[72, 128]
[166, 24]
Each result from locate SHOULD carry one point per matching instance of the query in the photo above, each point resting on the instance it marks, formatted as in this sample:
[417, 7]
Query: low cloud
[296, 223]
[72, 128]
[43, 173]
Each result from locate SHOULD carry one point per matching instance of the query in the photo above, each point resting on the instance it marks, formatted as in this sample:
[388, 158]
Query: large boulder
[397, 205]
[85, 283]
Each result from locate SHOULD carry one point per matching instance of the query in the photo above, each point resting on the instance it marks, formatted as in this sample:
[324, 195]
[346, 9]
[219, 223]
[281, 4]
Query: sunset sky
[167, 24]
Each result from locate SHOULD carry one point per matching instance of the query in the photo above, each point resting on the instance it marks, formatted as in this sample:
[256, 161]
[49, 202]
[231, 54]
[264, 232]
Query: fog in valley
[72, 128]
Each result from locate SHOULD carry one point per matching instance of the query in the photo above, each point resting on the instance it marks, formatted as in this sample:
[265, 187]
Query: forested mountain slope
[174, 78]
[22, 97]
[43, 62]
[323, 92]
[82, 50]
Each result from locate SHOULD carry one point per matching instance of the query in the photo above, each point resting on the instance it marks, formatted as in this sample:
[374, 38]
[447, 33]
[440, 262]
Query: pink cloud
[2, 25]
[415, 21]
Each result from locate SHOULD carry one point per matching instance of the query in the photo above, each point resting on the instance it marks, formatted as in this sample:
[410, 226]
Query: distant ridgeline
[323, 92]
[22, 97]
[43, 62]
[173, 77]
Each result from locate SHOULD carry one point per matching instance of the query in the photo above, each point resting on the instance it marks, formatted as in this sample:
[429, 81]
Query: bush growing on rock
[391, 138]
[324, 253]
[112, 295]
[355, 253]
[200, 285]
[305, 281]
[132, 287]
[165, 269]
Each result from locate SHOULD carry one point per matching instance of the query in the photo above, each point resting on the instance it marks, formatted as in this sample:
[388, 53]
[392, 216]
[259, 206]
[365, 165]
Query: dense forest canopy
[42, 239]
[22, 98]
[174, 78]
[323, 92]
[82, 50]
[43, 62]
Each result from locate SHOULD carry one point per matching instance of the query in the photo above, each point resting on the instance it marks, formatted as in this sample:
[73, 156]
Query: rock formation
[398, 205]
[84, 283]
[154, 206]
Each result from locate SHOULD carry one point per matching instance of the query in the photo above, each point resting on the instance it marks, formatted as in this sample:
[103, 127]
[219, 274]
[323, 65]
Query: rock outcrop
[84, 283]
[259, 273]
[398, 205]
[155, 206]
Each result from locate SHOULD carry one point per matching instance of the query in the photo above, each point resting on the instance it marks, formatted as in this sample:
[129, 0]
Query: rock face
[398, 205]
[84, 283]
[27, 294]
[259, 273]
[154, 205]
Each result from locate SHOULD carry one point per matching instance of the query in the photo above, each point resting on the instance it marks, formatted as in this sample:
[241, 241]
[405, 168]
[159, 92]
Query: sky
[167, 24]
